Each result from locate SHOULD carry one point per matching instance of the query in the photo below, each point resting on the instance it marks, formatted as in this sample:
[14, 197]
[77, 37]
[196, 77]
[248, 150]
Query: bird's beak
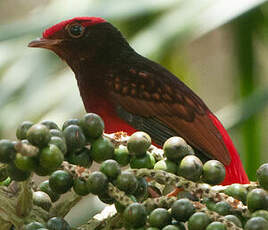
[45, 43]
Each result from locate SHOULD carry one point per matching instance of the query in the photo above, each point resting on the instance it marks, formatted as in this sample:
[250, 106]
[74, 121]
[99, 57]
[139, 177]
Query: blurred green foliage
[36, 85]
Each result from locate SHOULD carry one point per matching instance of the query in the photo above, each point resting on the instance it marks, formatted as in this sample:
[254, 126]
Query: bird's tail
[235, 172]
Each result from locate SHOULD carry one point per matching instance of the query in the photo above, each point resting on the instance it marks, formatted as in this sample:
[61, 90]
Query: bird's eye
[76, 30]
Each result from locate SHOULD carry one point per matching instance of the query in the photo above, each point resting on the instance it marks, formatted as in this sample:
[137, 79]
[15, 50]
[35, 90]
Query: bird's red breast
[104, 108]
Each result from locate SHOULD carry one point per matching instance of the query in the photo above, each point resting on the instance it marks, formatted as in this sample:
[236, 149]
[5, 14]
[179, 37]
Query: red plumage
[132, 93]
[85, 21]
[101, 106]
[234, 171]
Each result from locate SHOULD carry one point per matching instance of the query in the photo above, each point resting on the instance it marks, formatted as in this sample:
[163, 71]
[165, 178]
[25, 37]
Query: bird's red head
[65, 25]
[83, 40]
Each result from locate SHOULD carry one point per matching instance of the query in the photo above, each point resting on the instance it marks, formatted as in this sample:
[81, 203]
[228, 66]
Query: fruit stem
[200, 190]
[62, 208]
[26, 149]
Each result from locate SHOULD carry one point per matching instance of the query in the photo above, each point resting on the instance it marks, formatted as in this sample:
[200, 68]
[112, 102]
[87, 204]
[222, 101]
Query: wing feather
[164, 107]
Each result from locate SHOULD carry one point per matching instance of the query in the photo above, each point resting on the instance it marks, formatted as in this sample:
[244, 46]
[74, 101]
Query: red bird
[131, 92]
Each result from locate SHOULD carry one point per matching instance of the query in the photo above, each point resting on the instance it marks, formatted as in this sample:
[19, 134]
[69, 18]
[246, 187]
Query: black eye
[76, 30]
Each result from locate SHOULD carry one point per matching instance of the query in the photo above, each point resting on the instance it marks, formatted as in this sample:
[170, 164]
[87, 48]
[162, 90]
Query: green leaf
[188, 21]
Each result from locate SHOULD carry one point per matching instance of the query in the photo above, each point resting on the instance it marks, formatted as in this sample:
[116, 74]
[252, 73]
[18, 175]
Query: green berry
[186, 194]
[121, 155]
[97, 183]
[210, 204]
[198, 221]
[81, 157]
[142, 190]
[105, 198]
[22, 129]
[135, 215]
[42, 200]
[191, 168]
[34, 226]
[25, 163]
[51, 158]
[261, 213]
[159, 218]
[223, 208]
[262, 176]
[92, 125]
[182, 209]
[16, 174]
[171, 227]
[74, 136]
[257, 199]
[256, 223]
[102, 149]
[69, 122]
[50, 124]
[180, 225]
[166, 165]
[237, 191]
[176, 148]
[40, 171]
[216, 226]
[56, 133]
[234, 219]
[59, 142]
[7, 151]
[138, 143]
[58, 223]
[145, 161]
[44, 187]
[213, 172]
[140, 228]
[60, 181]
[127, 182]
[38, 135]
[80, 187]
[110, 168]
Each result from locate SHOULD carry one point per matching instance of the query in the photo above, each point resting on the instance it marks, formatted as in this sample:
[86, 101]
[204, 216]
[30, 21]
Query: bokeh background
[218, 48]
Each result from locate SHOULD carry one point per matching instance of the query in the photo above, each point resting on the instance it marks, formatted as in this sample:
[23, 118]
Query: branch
[8, 208]
[201, 190]
[63, 207]
[121, 138]
[25, 199]
[17, 205]
[118, 195]
[26, 149]
[107, 219]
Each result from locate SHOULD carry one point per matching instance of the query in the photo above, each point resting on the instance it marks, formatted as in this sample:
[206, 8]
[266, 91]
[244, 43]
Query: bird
[131, 92]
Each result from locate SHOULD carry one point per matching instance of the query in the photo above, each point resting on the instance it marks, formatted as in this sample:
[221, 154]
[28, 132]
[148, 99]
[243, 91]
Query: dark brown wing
[163, 104]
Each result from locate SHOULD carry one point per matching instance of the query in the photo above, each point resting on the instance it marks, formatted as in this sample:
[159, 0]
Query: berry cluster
[142, 191]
